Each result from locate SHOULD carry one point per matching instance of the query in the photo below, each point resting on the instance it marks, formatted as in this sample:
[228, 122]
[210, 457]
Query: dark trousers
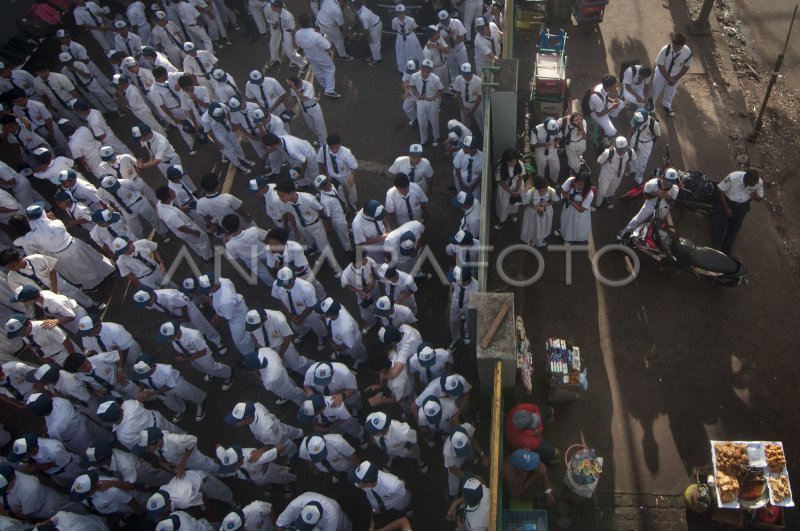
[724, 229]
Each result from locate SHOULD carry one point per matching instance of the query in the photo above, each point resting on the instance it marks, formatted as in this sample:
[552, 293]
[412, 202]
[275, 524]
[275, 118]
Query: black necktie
[408, 208]
[491, 40]
[13, 390]
[128, 45]
[100, 381]
[377, 227]
[97, 21]
[141, 84]
[334, 166]
[21, 144]
[151, 383]
[184, 350]
[411, 174]
[118, 169]
[328, 466]
[429, 374]
[33, 277]
[100, 343]
[191, 198]
[379, 501]
[466, 91]
[145, 261]
[163, 308]
[250, 125]
[672, 63]
[619, 168]
[172, 93]
[172, 38]
[461, 297]
[61, 101]
[382, 444]
[392, 287]
[25, 109]
[235, 90]
[202, 68]
[568, 136]
[469, 171]
[424, 87]
[300, 217]
[264, 99]
[291, 303]
[328, 325]
[339, 199]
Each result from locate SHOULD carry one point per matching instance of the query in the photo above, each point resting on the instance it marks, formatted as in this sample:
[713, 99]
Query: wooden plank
[498, 320]
[495, 466]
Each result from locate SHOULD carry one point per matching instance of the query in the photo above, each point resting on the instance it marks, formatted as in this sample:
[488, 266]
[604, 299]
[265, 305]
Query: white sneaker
[593, 209]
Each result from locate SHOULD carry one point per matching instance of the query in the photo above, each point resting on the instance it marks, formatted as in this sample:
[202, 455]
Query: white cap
[65, 57]
[399, 8]
[315, 445]
[638, 117]
[427, 63]
[86, 323]
[120, 24]
[285, 274]
[620, 142]
[188, 46]
[552, 125]
[118, 244]
[60, 34]
[377, 420]
[320, 180]
[218, 73]
[459, 440]
[107, 151]
[227, 456]
[82, 484]
[480, 22]
[141, 296]
[466, 68]
[415, 149]
[160, 15]
[129, 61]
[383, 304]
[217, 112]
[108, 181]
[252, 317]
[204, 281]
[443, 15]
[310, 514]
[411, 64]
[168, 329]
[255, 75]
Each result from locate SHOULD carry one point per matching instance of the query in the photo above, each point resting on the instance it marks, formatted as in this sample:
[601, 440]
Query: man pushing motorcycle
[660, 193]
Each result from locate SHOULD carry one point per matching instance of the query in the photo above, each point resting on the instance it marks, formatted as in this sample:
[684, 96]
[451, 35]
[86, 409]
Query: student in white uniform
[471, 510]
[110, 461]
[56, 91]
[176, 304]
[637, 85]
[214, 206]
[453, 387]
[256, 466]
[573, 130]
[328, 454]
[266, 92]
[645, 130]
[282, 28]
[165, 93]
[400, 287]
[47, 456]
[182, 225]
[255, 516]
[312, 508]
[468, 167]
[135, 101]
[189, 490]
[140, 262]
[58, 309]
[199, 64]
[176, 452]
[269, 328]
[402, 246]
[386, 493]
[189, 15]
[672, 63]
[224, 86]
[65, 423]
[391, 314]
[216, 124]
[406, 44]
[265, 426]
[282, 252]
[247, 246]
[417, 168]
[228, 305]
[427, 89]
[613, 165]
[394, 438]
[544, 141]
[242, 118]
[303, 92]
[454, 32]
[334, 209]
[660, 193]
[338, 163]
[52, 379]
[328, 414]
[429, 363]
[125, 196]
[604, 106]
[77, 262]
[537, 215]
[185, 192]
[461, 448]
[298, 299]
[578, 195]
[45, 342]
[98, 336]
[317, 51]
[111, 497]
[195, 100]
[462, 285]
[300, 155]
[405, 201]
[273, 374]
[304, 214]
[122, 165]
[372, 27]
[333, 379]
[102, 373]
[24, 496]
[331, 23]
[392, 368]
[163, 381]
[361, 277]
[343, 332]
[129, 418]
[168, 38]
[510, 177]
[192, 348]
[86, 83]
[488, 44]
[14, 387]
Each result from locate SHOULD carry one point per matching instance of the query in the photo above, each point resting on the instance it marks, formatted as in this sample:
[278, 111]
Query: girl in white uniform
[576, 221]
[510, 176]
[406, 46]
[537, 220]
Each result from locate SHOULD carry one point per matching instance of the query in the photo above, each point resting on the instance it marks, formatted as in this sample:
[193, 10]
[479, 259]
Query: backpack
[586, 108]
[627, 64]
[34, 27]
[45, 13]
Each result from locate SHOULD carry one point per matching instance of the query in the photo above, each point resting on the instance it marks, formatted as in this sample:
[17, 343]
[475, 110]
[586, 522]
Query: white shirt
[46, 234]
[218, 206]
[135, 418]
[266, 427]
[477, 518]
[257, 516]
[540, 136]
[160, 149]
[449, 409]
[274, 372]
[306, 209]
[131, 43]
[64, 420]
[332, 517]
[292, 256]
[332, 202]
[426, 87]
[227, 303]
[436, 389]
[454, 30]
[471, 219]
[399, 437]
[399, 287]
[170, 301]
[142, 262]
[112, 336]
[21, 79]
[401, 315]
[104, 366]
[359, 278]
[244, 118]
[487, 46]
[185, 492]
[392, 242]
[345, 162]
[449, 454]
[420, 173]
[344, 329]
[303, 296]
[298, 150]
[195, 108]
[274, 207]
[735, 190]
[265, 94]
[15, 373]
[167, 93]
[330, 14]
[442, 358]
[78, 522]
[134, 98]
[672, 61]
[110, 501]
[341, 380]
[175, 445]
[161, 35]
[399, 204]
[365, 229]
[246, 245]
[55, 166]
[88, 15]
[187, 13]
[174, 218]
[652, 187]
[57, 86]
[34, 111]
[461, 161]
[275, 328]
[391, 490]
[200, 65]
[339, 451]
[314, 45]
[163, 375]
[226, 89]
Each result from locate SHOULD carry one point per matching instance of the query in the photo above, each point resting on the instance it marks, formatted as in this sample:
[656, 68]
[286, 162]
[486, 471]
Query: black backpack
[627, 64]
[586, 108]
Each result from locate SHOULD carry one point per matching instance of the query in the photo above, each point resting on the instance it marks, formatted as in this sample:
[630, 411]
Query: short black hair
[270, 139]
[15, 93]
[231, 222]
[539, 183]
[286, 186]
[304, 20]
[752, 174]
[209, 182]
[645, 72]
[608, 80]
[162, 192]
[74, 362]
[8, 119]
[279, 234]
[333, 140]
[401, 180]
[159, 71]
[294, 80]
[9, 256]
[679, 39]
[185, 81]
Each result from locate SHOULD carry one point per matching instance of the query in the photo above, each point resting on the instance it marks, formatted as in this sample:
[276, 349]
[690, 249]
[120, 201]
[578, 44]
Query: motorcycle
[656, 240]
[696, 191]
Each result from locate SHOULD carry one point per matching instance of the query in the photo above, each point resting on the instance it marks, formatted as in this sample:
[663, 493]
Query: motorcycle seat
[705, 257]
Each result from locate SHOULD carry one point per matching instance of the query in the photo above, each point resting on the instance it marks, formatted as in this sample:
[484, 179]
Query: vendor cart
[549, 84]
[589, 12]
